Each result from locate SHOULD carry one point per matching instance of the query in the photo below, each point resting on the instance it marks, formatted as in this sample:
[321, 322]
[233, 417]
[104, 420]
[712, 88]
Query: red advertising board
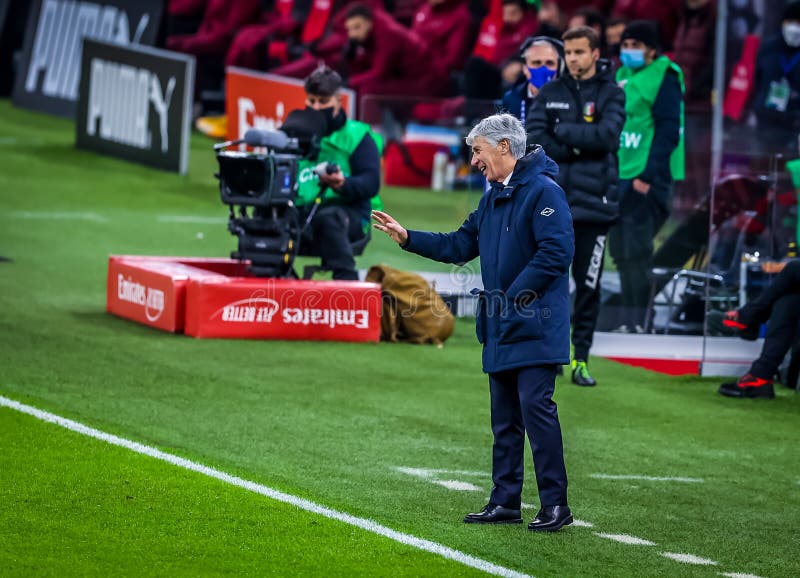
[215, 298]
[283, 309]
[148, 297]
[263, 101]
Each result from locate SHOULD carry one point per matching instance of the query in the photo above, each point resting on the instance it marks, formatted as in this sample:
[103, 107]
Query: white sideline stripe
[738, 575]
[430, 473]
[646, 478]
[191, 219]
[581, 523]
[458, 486]
[626, 539]
[61, 215]
[689, 559]
[303, 504]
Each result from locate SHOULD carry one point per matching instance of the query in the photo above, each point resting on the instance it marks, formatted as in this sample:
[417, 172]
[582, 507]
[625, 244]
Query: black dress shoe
[494, 514]
[550, 519]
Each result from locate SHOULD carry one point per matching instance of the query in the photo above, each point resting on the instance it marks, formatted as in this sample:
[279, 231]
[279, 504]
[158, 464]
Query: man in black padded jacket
[577, 119]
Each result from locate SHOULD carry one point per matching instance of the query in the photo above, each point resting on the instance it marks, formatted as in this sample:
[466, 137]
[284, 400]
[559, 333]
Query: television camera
[260, 188]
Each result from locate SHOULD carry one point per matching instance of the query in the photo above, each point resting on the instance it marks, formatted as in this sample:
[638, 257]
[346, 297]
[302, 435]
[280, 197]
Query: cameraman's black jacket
[579, 124]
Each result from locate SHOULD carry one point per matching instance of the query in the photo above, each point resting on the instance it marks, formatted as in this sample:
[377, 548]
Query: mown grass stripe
[303, 504]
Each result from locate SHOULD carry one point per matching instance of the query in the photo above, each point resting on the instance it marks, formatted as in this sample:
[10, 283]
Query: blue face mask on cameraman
[540, 76]
[632, 57]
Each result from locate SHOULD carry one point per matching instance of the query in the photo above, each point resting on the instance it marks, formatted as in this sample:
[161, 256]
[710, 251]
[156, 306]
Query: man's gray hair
[498, 127]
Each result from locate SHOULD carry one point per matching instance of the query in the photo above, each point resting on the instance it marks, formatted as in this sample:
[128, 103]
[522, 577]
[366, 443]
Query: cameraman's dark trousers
[334, 228]
[522, 400]
[587, 270]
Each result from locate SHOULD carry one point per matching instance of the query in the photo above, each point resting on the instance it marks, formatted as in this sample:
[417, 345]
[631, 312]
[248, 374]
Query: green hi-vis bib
[335, 148]
[641, 88]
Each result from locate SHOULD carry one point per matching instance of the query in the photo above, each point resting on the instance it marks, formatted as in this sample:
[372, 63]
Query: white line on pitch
[458, 486]
[430, 473]
[737, 575]
[60, 215]
[191, 219]
[626, 539]
[303, 504]
[689, 559]
[581, 523]
[646, 478]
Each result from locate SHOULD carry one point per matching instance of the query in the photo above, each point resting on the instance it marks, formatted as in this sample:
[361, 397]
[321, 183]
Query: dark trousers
[333, 229]
[587, 269]
[631, 245]
[779, 304]
[522, 402]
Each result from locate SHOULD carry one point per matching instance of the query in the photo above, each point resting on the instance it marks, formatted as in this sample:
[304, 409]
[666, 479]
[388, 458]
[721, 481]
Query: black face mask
[613, 49]
[328, 114]
[332, 122]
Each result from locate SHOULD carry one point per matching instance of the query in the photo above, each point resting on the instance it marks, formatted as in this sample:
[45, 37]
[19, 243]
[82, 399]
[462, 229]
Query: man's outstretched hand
[384, 222]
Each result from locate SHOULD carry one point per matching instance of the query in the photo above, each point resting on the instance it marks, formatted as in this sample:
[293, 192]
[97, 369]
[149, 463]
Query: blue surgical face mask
[540, 76]
[632, 57]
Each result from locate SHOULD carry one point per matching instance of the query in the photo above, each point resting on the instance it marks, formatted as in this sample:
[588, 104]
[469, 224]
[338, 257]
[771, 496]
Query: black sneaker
[732, 323]
[580, 374]
[749, 386]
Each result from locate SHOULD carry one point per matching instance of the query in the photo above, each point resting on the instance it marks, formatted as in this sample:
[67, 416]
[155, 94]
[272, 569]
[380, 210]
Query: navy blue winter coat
[523, 234]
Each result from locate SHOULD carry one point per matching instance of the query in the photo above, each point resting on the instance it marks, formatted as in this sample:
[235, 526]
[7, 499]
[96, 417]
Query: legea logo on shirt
[547, 211]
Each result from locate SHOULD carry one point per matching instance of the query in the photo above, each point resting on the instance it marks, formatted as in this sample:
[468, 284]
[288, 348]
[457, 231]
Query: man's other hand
[641, 187]
[334, 180]
[384, 222]
[773, 267]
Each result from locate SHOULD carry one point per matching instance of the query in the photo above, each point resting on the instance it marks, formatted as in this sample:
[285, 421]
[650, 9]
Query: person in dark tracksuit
[651, 157]
[522, 229]
[779, 307]
[577, 119]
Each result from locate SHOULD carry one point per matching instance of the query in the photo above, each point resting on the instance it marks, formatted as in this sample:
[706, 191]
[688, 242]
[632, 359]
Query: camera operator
[351, 190]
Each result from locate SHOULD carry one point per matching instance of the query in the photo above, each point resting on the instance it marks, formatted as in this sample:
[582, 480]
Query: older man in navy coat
[522, 229]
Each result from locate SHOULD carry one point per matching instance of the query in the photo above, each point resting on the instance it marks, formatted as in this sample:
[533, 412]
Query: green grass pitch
[329, 422]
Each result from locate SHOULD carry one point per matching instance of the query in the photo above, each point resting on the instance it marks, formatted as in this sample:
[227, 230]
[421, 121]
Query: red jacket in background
[329, 48]
[404, 11]
[512, 37]
[445, 29]
[693, 51]
[666, 13]
[393, 61]
[570, 7]
[186, 7]
[222, 19]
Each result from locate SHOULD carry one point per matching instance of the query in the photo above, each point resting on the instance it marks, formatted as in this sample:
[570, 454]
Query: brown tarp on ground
[412, 310]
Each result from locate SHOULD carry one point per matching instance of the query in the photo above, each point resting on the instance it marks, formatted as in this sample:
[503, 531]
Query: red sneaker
[749, 386]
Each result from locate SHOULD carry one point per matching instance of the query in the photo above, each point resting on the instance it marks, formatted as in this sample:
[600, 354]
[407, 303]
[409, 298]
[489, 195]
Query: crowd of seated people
[471, 48]
[428, 48]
